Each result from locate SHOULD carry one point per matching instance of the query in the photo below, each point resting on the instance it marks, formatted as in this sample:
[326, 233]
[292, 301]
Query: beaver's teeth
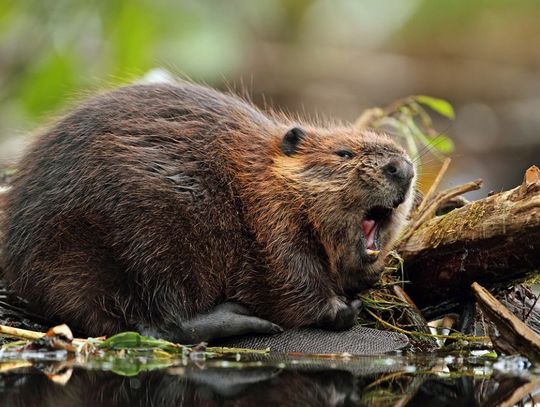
[371, 252]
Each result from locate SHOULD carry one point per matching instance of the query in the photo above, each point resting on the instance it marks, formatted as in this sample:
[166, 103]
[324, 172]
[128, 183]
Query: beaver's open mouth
[375, 218]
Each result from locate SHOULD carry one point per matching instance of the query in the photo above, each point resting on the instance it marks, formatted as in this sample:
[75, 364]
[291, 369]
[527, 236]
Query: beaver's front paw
[340, 315]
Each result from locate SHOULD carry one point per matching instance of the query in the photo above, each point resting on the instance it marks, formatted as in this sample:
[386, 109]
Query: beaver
[187, 213]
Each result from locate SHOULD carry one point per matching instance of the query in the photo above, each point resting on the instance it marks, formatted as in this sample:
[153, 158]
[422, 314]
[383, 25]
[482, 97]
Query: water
[266, 380]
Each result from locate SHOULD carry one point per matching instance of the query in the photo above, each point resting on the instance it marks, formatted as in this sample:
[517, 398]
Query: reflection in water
[207, 388]
[289, 382]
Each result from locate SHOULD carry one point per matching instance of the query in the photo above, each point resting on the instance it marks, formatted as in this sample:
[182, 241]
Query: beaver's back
[129, 200]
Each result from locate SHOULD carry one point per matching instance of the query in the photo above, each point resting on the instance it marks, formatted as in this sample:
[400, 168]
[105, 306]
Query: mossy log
[492, 240]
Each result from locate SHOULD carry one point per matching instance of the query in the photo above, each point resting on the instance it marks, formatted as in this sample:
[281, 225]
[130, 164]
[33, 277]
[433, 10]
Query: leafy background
[327, 57]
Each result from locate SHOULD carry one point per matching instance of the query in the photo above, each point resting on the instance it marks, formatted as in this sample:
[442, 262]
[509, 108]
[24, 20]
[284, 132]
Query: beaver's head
[357, 188]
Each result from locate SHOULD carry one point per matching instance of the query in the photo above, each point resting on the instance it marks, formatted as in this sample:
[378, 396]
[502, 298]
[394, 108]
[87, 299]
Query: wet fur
[153, 203]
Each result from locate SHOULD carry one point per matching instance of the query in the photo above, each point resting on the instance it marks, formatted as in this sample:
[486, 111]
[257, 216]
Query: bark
[492, 240]
[523, 303]
[508, 333]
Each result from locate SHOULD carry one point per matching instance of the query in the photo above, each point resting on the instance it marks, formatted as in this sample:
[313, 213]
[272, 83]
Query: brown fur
[152, 203]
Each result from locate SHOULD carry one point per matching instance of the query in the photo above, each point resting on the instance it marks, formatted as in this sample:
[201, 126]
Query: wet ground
[265, 380]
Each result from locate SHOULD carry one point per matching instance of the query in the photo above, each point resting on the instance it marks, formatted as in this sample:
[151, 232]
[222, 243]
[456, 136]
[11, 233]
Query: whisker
[429, 147]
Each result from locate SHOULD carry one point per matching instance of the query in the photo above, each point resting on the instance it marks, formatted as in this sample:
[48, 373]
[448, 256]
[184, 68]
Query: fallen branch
[508, 333]
[20, 333]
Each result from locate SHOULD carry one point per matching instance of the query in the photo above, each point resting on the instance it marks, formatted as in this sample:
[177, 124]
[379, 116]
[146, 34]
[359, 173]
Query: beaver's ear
[291, 140]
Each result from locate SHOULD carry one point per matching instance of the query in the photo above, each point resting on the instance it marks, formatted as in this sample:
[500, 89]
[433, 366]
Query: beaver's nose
[400, 171]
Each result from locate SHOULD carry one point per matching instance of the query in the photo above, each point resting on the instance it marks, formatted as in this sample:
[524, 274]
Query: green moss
[533, 278]
[447, 225]
[452, 224]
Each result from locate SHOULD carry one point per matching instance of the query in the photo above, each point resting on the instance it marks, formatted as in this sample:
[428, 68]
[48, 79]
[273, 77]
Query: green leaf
[440, 106]
[133, 340]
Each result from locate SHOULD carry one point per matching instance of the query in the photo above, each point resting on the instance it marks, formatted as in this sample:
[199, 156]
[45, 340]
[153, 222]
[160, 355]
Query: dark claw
[276, 329]
[344, 318]
[357, 305]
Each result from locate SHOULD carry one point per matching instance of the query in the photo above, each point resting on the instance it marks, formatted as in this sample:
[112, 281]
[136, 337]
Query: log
[509, 334]
[492, 240]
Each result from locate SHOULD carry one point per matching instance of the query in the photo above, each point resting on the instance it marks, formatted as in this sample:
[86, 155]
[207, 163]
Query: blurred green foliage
[51, 50]
[408, 119]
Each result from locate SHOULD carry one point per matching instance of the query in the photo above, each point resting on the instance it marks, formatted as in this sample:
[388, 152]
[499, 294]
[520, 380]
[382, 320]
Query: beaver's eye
[345, 154]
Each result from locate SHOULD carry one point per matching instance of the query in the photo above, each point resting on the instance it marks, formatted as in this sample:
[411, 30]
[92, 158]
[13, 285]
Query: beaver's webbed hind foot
[227, 319]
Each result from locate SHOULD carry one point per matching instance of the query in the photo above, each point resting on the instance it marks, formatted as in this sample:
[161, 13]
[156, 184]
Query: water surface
[265, 380]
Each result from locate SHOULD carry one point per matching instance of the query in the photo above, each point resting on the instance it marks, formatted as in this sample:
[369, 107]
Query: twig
[20, 333]
[530, 309]
[404, 331]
